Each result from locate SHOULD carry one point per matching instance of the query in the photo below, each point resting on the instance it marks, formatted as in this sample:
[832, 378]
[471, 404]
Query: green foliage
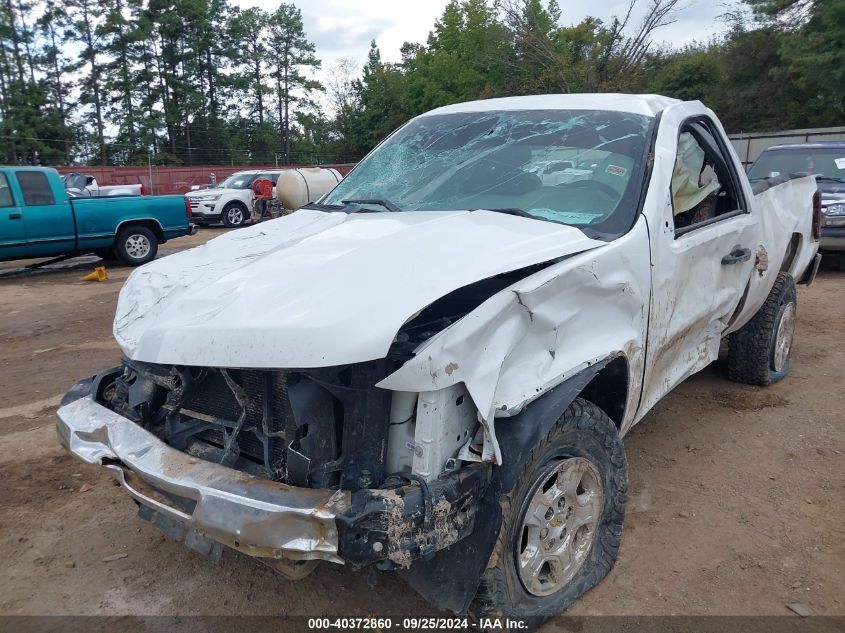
[812, 43]
[204, 81]
[290, 52]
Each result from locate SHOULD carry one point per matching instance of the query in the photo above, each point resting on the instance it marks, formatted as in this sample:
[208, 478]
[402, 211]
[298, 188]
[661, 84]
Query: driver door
[702, 262]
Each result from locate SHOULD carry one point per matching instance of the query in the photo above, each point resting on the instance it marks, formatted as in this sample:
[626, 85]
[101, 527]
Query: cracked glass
[582, 168]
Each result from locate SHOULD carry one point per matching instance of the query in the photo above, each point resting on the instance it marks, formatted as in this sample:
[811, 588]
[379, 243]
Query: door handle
[15, 216]
[736, 256]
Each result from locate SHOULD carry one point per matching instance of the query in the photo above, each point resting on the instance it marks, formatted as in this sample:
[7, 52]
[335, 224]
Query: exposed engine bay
[304, 428]
[328, 428]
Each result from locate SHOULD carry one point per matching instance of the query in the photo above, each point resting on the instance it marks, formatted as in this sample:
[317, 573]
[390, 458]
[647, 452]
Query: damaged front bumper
[206, 504]
[256, 516]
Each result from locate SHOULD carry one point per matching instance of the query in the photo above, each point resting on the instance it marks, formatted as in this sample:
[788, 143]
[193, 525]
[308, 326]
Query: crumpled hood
[316, 289]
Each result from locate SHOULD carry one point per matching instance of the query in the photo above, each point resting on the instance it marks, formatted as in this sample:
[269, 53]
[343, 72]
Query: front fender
[450, 579]
[525, 340]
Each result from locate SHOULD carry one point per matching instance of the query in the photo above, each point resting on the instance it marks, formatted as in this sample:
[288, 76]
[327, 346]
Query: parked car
[38, 218]
[442, 356]
[231, 202]
[85, 186]
[825, 161]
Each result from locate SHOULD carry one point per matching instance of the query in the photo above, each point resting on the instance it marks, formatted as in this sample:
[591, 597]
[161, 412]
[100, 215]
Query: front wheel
[235, 215]
[136, 245]
[758, 353]
[562, 522]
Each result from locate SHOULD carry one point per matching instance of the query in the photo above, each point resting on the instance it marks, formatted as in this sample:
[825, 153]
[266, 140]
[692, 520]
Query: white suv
[231, 201]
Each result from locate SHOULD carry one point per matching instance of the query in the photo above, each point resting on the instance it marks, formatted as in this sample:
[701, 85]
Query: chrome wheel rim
[138, 246]
[783, 337]
[559, 526]
[235, 215]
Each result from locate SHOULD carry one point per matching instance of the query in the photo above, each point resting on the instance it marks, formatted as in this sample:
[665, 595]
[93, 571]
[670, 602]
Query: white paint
[595, 305]
[316, 289]
[400, 435]
[445, 421]
[648, 105]
[541, 330]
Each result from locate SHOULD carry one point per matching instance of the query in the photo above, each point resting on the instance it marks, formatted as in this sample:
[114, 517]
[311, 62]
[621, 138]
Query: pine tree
[85, 16]
[292, 53]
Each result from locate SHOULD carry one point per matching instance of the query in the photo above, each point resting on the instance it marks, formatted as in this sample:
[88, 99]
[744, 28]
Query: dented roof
[648, 105]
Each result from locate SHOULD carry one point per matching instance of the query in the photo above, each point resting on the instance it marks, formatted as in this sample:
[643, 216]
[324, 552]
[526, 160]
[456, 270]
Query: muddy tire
[758, 353]
[235, 214]
[562, 522]
[136, 245]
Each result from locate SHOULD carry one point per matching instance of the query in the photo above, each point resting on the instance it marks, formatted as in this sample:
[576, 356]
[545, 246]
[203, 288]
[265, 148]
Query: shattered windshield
[574, 167]
[822, 162]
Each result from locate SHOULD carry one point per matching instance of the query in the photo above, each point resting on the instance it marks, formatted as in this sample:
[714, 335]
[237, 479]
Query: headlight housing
[834, 214]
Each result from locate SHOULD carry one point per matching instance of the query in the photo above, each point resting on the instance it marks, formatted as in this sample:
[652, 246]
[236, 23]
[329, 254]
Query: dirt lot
[736, 493]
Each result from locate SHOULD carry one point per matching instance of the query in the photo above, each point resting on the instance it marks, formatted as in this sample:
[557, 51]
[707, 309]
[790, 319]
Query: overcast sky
[344, 28]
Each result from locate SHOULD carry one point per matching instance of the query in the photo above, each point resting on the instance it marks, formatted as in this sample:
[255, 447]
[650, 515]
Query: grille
[213, 397]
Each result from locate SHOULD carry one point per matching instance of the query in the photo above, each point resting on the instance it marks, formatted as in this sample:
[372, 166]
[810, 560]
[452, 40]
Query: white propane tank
[298, 187]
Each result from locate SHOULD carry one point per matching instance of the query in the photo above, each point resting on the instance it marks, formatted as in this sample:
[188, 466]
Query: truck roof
[816, 145]
[649, 105]
[27, 167]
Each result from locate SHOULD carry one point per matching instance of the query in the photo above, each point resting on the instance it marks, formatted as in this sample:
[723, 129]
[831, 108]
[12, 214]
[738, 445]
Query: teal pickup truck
[38, 218]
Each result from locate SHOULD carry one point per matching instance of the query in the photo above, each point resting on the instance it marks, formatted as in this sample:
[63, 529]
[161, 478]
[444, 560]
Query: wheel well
[236, 203]
[791, 252]
[609, 389]
[150, 224]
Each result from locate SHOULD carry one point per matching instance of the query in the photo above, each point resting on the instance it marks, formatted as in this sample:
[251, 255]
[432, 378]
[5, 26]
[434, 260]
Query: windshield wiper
[317, 206]
[511, 211]
[382, 202]
[830, 179]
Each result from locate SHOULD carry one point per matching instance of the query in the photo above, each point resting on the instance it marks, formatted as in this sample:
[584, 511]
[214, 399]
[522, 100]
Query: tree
[464, 58]
[537, 65]
[381, 98]
[84, 14]
[813, 44]
[343, 100]
[200, 81]
[689, 74]
[247, 30]
[292, 53]
[119, 36]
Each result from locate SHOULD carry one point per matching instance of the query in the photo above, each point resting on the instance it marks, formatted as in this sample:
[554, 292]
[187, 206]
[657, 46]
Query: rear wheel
[235, 214]
[136, 245]
[562, 522]
[758, 353]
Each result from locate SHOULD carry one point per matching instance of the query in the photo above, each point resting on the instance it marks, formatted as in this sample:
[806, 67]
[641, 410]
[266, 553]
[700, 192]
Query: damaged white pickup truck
[432, 369]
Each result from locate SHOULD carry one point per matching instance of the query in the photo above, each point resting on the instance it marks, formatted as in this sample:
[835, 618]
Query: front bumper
[832, 238]
[205, 502]
[256, 516]
[205, 212]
